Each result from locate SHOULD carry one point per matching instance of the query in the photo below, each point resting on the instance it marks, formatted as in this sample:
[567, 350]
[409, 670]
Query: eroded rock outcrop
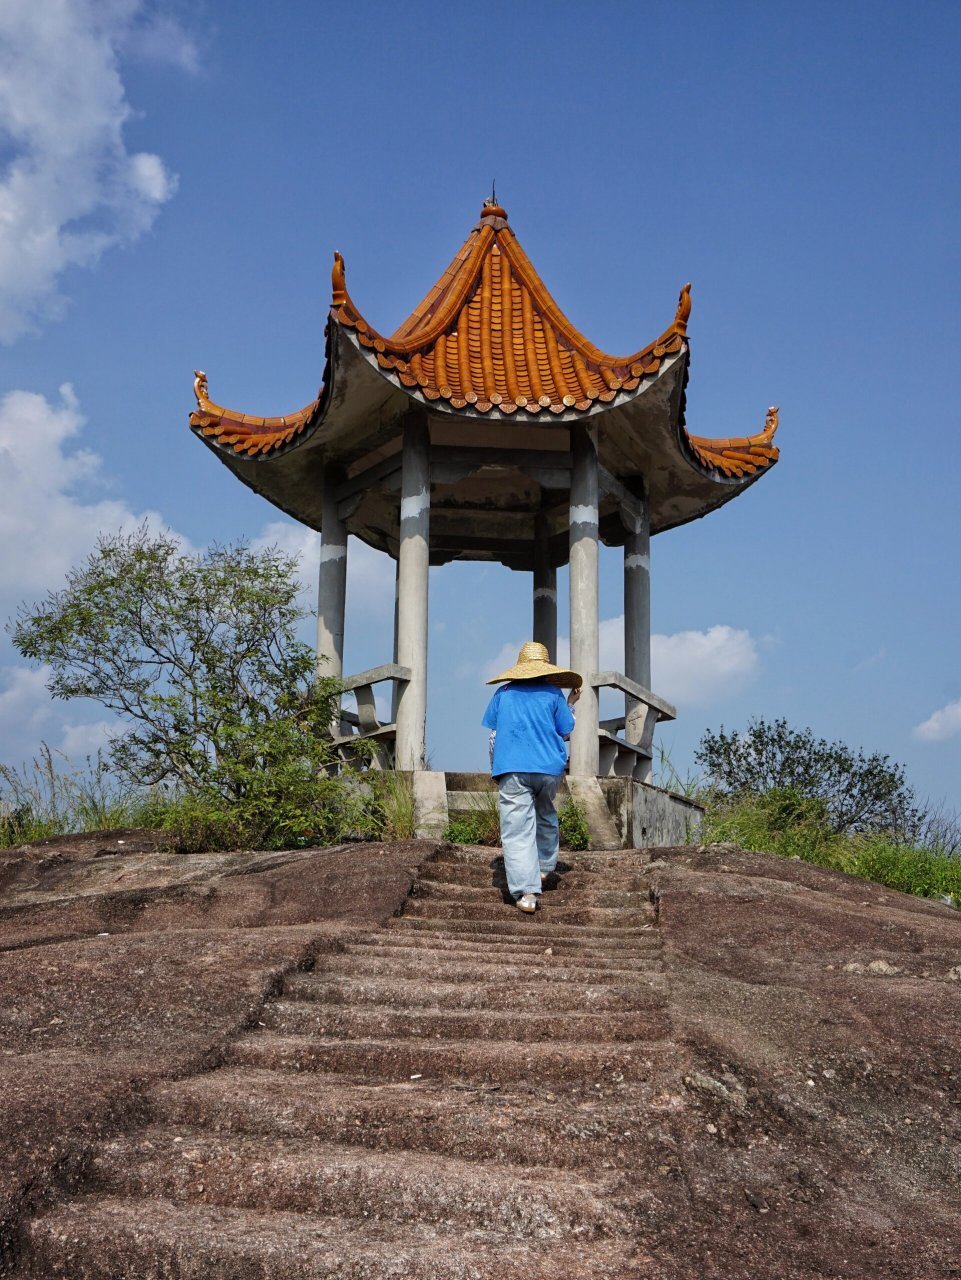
[361, 1062]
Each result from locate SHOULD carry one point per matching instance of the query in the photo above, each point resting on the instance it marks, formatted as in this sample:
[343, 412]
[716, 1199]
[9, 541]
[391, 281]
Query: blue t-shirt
[531, 720]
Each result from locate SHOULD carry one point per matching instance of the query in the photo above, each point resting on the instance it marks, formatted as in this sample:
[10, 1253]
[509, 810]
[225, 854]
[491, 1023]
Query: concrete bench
[363, 725]
[630, 756]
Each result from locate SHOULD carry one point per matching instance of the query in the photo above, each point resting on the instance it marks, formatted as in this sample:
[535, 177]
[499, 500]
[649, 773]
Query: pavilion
[487, 427]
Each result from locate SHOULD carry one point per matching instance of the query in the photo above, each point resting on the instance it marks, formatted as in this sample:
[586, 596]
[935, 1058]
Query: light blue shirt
[531, 720]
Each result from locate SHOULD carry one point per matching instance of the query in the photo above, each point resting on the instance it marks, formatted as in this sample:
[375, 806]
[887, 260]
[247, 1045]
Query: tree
[857, 792]
[198, 653]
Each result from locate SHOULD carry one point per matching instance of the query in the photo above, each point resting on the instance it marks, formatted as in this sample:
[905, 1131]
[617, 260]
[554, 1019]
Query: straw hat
[533, 663]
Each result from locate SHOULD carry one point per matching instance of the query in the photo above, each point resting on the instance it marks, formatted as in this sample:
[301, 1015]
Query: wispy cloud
[941, 724]
[370, 573]
[690, 668]
[71, 189]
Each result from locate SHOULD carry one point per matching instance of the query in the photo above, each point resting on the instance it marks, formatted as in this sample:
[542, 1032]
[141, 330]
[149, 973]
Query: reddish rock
[691, 1064]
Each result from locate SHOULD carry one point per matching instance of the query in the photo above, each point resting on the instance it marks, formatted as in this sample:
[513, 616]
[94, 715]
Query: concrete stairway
[467, 1092]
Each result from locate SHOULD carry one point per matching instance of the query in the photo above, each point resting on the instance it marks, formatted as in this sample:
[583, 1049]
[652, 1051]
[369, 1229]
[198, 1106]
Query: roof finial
[491, 208]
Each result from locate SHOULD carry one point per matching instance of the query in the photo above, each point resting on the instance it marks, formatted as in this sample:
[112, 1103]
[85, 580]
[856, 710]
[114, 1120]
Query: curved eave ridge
[246, 433]
[740, 457]
[489, 336]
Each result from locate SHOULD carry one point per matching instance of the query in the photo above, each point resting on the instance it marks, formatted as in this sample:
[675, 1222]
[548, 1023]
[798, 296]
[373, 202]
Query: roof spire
[491, 208]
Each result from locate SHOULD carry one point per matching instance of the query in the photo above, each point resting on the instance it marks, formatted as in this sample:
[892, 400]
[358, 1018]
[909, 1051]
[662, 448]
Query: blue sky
[175, 177]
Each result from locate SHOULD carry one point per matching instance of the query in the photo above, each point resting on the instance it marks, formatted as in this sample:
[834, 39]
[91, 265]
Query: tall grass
[395, 793]
[793, 826]
[50, 796]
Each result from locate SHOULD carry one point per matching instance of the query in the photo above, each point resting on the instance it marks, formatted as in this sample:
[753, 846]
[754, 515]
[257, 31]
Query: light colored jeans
[529, 829]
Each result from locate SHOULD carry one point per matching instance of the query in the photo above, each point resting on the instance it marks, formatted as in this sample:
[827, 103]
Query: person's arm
[564, 714]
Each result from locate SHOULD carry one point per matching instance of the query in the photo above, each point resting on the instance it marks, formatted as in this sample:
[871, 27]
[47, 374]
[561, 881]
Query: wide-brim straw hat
[533, 663]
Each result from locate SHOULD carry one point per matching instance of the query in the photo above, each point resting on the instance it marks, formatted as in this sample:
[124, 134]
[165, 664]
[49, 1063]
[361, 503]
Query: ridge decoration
[246, 432]
[741, 456]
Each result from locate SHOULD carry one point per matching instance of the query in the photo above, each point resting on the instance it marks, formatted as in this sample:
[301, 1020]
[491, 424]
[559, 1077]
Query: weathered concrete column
[395, 687]
[545, 589]
[331, 581]
[584, 597]
[637, 597]
[413, 565]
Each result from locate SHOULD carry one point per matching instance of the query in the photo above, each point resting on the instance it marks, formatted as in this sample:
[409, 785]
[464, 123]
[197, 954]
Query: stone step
[423, 965]
[505, 992]
[530, 938]
[517, 925]
[471, 947]
[110, 1238]
[473, 875]
[310, 1018]
[562, 896]
[521, 1125]
[549, 913]
[474, 1061]
[580, 860]
[308, 1176]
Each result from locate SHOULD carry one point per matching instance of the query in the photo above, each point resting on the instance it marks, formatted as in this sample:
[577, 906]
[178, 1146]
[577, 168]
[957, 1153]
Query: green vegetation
[50, 797]
[225, 737]
[857, 793]
[778, 790]
[482, 824]
[573, 824]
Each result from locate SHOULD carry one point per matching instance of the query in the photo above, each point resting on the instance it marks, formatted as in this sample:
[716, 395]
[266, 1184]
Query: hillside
[691, 1063]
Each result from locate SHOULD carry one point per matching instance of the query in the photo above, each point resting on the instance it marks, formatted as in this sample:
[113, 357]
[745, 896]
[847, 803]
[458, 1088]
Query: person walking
[530, 721]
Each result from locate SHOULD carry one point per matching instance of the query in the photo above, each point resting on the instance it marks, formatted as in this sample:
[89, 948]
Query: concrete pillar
[637, 597]
[545, 589]
[584, 597]
[412, 577]
[331, 581]
[395, 687]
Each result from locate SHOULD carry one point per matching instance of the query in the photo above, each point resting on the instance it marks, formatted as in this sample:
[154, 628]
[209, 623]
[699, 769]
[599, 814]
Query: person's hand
[573, 696]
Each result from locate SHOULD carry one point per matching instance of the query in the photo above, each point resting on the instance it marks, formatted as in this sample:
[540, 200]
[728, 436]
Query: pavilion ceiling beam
[506, 457]
[613, 487]
[387, 469]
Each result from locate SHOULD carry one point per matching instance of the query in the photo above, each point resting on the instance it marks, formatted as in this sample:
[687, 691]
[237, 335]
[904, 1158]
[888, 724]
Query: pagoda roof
[489, 343]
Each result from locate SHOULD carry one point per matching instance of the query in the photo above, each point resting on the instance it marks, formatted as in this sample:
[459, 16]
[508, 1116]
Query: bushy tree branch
[859, 792]
[198, 653]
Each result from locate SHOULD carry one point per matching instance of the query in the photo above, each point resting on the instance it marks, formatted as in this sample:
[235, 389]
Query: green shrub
[481, 825]
[573, 825]
[859, 793]
[786, 823]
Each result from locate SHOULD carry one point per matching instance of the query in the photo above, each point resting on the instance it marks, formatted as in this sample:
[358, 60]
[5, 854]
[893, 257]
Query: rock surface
[359, 1062]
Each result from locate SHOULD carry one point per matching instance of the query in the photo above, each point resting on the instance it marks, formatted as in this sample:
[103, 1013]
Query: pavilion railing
[630, 755]
[363, 725]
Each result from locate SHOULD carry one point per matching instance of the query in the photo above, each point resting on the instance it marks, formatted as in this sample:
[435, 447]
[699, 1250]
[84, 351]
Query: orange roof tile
[490, 335]
[742, 456]
[245, 432]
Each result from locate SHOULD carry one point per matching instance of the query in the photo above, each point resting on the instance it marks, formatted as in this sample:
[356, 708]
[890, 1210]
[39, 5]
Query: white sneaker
[528, 902]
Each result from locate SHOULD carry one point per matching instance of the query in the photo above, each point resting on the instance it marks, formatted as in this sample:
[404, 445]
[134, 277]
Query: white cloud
[689, 668]
[71, 189]
[698, 668]
[941, 724]
[77, 741]
[160, 38]
[24, 702]
[370, 573]
[45, 514]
